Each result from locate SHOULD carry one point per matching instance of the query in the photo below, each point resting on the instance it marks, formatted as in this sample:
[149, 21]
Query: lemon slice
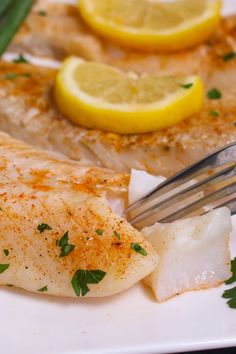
[153, 24]
[102, 97]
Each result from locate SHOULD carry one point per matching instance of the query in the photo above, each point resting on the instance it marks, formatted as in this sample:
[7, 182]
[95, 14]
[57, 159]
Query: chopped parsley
[99, 232]
[66, 247]
[82, 278]
[3, 267]
[187, 86]
[139, 249]
[44, 289]
[214, 113]
[6, 252]
[117, 235]
[214, 94]
[231, 293]
[21, 59]
[42, 13]
[43, 227]
[12, 76]
[228, 56]
[233, 270]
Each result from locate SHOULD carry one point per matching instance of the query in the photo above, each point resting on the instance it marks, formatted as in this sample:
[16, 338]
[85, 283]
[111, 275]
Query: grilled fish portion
[58, 233]
[27, 111]
[56, 30]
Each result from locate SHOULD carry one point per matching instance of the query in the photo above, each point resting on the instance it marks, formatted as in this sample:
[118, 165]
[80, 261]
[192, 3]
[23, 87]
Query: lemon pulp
[153, 24]
[102, 97]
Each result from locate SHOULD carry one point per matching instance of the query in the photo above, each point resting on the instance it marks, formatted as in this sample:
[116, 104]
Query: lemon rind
[187, 34]
[91, 112]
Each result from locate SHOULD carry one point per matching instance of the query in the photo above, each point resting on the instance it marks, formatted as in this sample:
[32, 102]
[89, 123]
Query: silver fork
[205, 185]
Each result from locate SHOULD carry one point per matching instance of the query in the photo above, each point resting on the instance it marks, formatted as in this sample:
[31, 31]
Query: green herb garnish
[228, 294]
[214, 94]
[6, 252]
[82, 278]
[139, 249]
[42, 13]
[43, 227]
[233, 270]
[214, 113]
[187, 86]
[15, 12]
[65, 246]
[231, 293]
[3, 267]
[228, 56]
[117, 235]
[20, 59]
[12, 76]
[42, 290]
[99, 232]
[232, 303]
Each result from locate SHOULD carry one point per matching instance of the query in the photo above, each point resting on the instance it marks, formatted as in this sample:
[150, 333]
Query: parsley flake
[43, 227]
[82, 278]
[187, 86]
[214, 94]
[117, 235]
[44, 289]
[228, 56]
[233, 270]
[3, 267]
[99, 232]
[6, 252]
[66, 247]
[232, 303]
[12, 76]
[139, 249]
[20, 59]
[42, 13]
[231, 293]
[214, 113]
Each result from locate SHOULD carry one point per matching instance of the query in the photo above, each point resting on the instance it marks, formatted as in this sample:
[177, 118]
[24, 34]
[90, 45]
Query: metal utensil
[205, 185]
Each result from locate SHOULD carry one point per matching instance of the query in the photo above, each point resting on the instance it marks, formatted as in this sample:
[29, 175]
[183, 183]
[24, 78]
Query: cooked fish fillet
[194, 253]
[44, 197]
[61, 32]
[27, 111]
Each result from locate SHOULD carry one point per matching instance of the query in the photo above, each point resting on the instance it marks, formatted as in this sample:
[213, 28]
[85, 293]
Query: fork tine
[207, 176]
[215, 204]
[184, 206]
[223, 155]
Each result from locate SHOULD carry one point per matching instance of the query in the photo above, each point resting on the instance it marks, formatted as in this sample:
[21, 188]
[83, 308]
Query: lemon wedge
[153, 24]
[102, 97]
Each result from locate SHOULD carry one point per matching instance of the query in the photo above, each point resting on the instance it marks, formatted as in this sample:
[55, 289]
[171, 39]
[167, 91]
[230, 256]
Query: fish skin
[27, 112]
[40, 187]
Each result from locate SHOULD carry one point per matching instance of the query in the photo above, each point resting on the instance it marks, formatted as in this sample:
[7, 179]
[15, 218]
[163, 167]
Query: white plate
[131, 322]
